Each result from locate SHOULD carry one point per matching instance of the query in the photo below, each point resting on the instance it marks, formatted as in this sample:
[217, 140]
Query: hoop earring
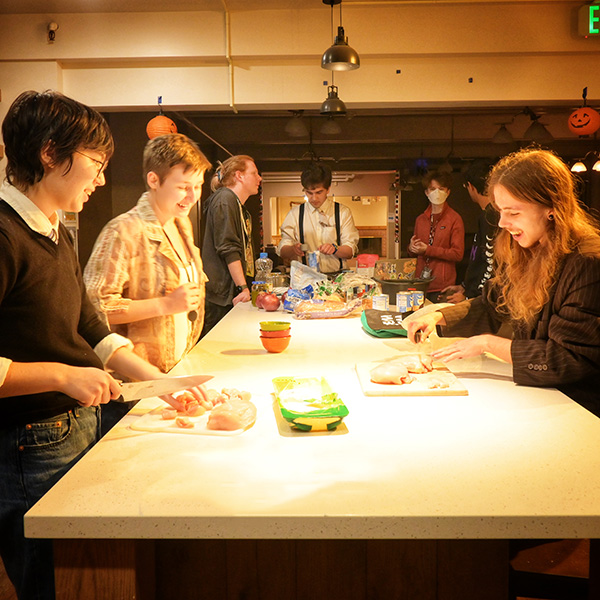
[550, 217]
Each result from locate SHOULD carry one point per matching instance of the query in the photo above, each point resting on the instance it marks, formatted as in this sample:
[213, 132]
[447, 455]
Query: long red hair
[524, 276]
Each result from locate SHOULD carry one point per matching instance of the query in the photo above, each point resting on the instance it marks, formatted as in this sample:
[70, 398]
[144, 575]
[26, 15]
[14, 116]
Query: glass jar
[257, 287]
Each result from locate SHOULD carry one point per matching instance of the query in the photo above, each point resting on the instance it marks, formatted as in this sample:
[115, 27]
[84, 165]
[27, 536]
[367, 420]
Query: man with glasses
[319, 224]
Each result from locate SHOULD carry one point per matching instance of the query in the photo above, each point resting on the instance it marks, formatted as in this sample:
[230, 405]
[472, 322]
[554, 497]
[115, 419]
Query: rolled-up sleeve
[109, 345]
[289, 230]
[349, 235]
[107, 272]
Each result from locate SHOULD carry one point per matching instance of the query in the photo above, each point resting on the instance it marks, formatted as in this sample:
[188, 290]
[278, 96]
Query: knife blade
[158, 387]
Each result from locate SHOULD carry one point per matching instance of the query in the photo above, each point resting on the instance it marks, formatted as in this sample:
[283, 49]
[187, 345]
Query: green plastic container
[308, 403]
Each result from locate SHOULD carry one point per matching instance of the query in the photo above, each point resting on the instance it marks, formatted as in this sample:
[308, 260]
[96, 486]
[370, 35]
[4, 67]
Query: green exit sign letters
[589, 20]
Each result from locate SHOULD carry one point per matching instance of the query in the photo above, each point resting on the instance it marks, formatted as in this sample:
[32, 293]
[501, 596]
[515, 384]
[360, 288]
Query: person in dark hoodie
[227, 244]
[480, 267]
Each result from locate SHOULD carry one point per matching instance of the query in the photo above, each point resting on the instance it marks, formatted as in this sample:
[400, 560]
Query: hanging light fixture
[331, 127]
[581, 165]
[296, 127]
[502, 136]
[536, 132]
[333, 106]
[340, 56]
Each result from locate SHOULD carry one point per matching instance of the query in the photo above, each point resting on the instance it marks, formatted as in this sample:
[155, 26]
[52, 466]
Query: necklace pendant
[192, 315]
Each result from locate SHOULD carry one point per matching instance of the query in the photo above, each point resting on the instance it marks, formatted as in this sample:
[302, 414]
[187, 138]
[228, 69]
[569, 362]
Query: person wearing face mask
[438, 241]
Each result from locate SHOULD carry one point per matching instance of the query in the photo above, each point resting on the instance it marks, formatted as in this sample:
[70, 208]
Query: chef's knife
[159, 387]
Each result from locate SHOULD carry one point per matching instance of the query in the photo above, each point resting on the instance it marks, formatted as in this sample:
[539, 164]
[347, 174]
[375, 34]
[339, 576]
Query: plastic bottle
[263, 268]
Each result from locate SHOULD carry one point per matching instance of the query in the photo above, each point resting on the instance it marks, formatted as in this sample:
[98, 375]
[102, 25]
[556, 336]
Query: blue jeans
[33, 458]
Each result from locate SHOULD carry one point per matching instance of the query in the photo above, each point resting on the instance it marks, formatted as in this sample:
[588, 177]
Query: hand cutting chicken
[408, 374]
[398, 369]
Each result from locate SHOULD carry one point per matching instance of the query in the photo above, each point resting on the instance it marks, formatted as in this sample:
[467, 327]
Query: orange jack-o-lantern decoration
[584, 121]
[160, 125]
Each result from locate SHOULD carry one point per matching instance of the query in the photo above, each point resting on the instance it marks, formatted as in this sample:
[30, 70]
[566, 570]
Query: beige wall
[523, 52]
[514, 52]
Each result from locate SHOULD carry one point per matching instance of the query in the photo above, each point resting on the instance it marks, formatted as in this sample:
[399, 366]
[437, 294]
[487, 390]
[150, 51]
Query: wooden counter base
[281, 569]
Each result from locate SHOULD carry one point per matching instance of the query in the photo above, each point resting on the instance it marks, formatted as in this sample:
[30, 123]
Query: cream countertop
[503, 462]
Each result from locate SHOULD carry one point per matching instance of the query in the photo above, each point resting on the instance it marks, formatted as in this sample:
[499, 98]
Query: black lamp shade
[340, 56]
[333, 105]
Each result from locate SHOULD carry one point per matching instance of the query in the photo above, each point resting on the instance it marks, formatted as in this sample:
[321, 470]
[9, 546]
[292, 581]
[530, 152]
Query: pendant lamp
[536, 132]
[331, 127]
[502, 136]
[340, 56]
[332, 105]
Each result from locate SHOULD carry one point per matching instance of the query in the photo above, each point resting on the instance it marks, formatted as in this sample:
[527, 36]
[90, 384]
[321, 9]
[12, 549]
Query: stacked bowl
[275, 335]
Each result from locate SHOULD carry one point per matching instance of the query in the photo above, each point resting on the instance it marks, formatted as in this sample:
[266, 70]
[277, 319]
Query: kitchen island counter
[502, 462]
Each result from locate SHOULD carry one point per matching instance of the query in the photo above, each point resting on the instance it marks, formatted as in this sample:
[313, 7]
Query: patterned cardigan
[133, 260]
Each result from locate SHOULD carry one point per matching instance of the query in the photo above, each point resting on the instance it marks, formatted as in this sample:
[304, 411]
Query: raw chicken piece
[233, 414]
[194, 409]
[437, 380]
[168, 413]
[184, 422]
[415, 363]
[390, 372]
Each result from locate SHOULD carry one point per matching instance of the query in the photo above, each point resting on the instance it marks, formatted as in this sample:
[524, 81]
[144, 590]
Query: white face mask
[437, 196]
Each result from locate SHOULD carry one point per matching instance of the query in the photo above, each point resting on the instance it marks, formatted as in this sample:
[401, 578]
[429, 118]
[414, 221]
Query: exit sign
[589, 20]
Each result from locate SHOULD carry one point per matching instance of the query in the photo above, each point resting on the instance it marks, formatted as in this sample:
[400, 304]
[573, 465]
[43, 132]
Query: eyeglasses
[98, 162]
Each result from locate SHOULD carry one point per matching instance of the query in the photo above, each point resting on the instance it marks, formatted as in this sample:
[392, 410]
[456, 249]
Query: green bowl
[274, 325]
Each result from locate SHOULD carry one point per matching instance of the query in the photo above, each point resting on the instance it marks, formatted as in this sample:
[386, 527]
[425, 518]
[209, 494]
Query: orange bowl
[275, 334]
[275, 344]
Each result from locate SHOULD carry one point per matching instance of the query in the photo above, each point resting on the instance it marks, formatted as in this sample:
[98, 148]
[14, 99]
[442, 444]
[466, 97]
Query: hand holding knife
[163, 388]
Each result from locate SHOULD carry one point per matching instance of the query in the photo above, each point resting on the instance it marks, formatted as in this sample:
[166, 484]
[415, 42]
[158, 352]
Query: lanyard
[432, 227]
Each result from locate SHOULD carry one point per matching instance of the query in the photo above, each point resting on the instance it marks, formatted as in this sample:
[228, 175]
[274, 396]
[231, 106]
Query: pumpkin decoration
[584, 121]
[160, 125]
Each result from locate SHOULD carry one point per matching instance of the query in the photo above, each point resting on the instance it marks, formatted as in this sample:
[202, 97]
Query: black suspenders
[338, 228]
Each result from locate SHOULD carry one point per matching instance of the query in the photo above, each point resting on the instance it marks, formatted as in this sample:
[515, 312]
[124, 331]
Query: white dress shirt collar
[29, 212]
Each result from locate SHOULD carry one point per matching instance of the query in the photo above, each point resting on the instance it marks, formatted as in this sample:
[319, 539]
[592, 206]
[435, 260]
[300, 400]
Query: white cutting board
[418, 387]
[153, 421]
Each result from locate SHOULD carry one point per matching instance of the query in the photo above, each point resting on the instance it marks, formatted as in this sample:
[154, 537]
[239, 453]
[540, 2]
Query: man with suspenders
[319, 224]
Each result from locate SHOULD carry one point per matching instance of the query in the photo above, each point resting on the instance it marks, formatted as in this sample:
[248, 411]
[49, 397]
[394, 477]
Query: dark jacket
[480, 266]
[562, 349]
[223, 243]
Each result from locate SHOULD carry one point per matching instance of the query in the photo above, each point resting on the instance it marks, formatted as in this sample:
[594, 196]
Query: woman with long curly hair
[546, 283]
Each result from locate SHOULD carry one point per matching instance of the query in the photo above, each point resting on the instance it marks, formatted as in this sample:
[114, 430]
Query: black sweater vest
[45, 315]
